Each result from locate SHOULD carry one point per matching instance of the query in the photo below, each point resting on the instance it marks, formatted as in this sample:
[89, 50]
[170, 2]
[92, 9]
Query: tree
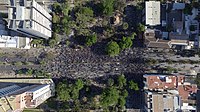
[122, 102]
[110, 82]
[65, 20]
[65, 9]
[84, 17]
[188, 9]
[192, 28]
[140, 28]
[86, 11]
[74, 93]
[126, 42]
[125, 25]
[63, 92]
[121, 81]
[56, 28]
[66, 30]
[120, 5]
[122, 99]
[90, 40]
[56, 7]
[29, 72]
[108, 7]
[79, 84]
[37, 41]
[109, 97]
[133, 36]
[133, 85]
[112, 48]
[56, 18]
[52, 42]
[124, 93]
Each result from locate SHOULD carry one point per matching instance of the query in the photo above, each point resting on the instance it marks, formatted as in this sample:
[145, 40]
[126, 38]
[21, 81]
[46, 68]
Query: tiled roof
[170, 82]
[161, 82]
[186, 90]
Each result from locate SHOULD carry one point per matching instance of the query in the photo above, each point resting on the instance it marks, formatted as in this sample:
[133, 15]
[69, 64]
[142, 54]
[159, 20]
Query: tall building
[29, 18]
[8, 39]
[17, 94]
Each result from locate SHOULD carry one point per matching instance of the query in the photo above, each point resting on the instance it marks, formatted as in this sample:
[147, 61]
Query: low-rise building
[161, 102]
[177, 29]
[166, 88]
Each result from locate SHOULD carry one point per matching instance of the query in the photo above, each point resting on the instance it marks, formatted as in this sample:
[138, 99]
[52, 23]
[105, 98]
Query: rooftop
[170, 82]
[30, 18]
[161, 102]
[152, 12]
[161, 81]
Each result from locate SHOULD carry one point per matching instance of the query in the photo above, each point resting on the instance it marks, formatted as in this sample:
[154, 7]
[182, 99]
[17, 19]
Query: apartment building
[29, 18]
[168, 26]
[9, 39]
[162, 90]
[24, 93]
[21, 20]
[161, 102]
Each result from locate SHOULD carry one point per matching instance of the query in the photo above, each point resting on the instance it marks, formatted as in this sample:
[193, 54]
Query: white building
[14, 42]
[152, 13]
[15, 95]
[30, 19]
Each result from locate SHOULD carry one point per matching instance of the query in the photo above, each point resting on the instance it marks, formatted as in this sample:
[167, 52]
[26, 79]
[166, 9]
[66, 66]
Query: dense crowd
[74, 63]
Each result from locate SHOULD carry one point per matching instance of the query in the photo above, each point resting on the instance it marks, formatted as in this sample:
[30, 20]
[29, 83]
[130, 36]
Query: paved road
[170, 56]
[14, 67]
[85, 63]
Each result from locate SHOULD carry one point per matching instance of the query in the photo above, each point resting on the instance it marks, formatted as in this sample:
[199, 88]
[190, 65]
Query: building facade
[19, 95]
[169, 93]
[29, 18]
[170, 26]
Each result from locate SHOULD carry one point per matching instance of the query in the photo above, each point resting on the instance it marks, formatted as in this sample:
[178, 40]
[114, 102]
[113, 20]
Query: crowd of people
[84, 63]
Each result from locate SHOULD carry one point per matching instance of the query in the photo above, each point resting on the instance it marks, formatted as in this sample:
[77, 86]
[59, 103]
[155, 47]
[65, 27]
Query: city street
[86, 64]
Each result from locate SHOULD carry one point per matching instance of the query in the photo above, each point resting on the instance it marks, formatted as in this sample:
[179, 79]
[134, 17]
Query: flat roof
[32, 17]
[164, 101]
[152, 13]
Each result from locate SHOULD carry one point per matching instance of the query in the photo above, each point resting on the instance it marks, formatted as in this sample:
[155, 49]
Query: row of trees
[113, 48]
[79, 94]
[32, 72]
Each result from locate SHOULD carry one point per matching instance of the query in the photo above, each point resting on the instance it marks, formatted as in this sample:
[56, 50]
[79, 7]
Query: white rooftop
[152, 13]
[33, 19]
[14, 42]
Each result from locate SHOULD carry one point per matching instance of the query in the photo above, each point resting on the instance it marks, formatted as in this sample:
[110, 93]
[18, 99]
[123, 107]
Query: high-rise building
[17, 94]
[29, 18]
